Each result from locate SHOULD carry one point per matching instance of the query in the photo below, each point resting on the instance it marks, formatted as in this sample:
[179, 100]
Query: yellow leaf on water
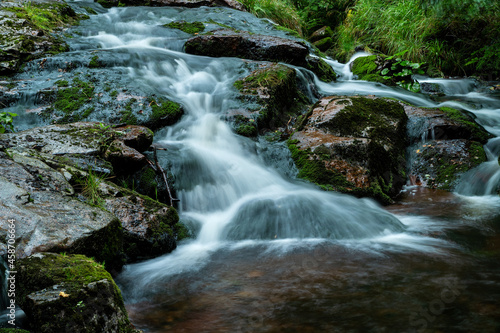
[63, 294]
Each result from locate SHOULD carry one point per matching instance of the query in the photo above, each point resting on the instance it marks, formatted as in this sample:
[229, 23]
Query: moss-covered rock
[446, 143]
[69, 293]
[163, 113]
[440, 163]
[274, 88]
[150, 228]
[319, 67]
[26, 31]
[90, 98]
[353, 145]
[324, 44]
[321, 33]
[392, 71]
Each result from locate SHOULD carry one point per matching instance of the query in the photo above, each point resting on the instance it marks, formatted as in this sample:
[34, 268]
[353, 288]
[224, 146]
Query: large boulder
[150, 228]
[272, 89]
[88, 141]
[354, 145]
[69, 293]
[48, 218]
[242, 44]
[54, 187]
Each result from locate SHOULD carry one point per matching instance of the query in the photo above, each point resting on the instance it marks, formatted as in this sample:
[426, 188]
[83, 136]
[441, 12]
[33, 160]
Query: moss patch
[478, 133]
[68, 100]
[275, 88]
[164, 113]
[188, 27]
[94, 62]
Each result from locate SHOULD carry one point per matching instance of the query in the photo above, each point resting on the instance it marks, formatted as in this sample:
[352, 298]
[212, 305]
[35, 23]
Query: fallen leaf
[63, 294]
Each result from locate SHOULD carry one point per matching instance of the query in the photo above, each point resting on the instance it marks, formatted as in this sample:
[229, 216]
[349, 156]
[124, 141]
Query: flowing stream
[274, 254]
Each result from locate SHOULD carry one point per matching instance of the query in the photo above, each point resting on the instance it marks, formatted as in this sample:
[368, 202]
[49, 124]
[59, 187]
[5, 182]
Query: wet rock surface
[70, 293]
[228, 43]
[353, 145]
[446, 143]
[274, 97]
[22, 39]
[54, 187]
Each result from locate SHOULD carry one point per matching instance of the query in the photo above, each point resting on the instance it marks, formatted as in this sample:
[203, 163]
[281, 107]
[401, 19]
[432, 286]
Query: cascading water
[271, 251]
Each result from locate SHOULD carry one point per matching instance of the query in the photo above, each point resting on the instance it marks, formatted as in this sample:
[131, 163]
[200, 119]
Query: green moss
[69, 100]
[94, 62]
[113, 94]
[46, 16]
[314, 170]
[127, 115]
[364, 65]
[147, 182]
[165, 110]
[319, 67]
[71, 273]
[248, 130]
[324, 44]
[353, 120]
[188, 27]
[220, 24]
[12, 330]
[478, 133]
[90, 10]
[62, 83]
[106, 3]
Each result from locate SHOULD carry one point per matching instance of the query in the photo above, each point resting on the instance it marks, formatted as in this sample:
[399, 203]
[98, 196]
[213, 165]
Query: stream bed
[270, 253]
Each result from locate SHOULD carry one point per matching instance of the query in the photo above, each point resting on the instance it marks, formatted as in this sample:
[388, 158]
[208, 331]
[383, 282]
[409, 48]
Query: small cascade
[345, 69]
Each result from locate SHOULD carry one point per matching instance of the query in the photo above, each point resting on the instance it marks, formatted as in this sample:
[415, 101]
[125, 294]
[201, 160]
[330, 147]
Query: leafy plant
[6, 122]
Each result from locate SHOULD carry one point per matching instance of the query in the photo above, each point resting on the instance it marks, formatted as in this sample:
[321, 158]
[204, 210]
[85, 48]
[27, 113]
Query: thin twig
[164, 176]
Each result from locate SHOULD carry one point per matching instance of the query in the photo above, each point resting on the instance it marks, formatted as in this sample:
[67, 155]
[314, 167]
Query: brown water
[373, 286]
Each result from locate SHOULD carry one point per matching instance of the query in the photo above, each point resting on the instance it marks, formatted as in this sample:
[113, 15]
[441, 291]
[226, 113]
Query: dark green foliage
[454, 37]
[393, 70]
[248, 130]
